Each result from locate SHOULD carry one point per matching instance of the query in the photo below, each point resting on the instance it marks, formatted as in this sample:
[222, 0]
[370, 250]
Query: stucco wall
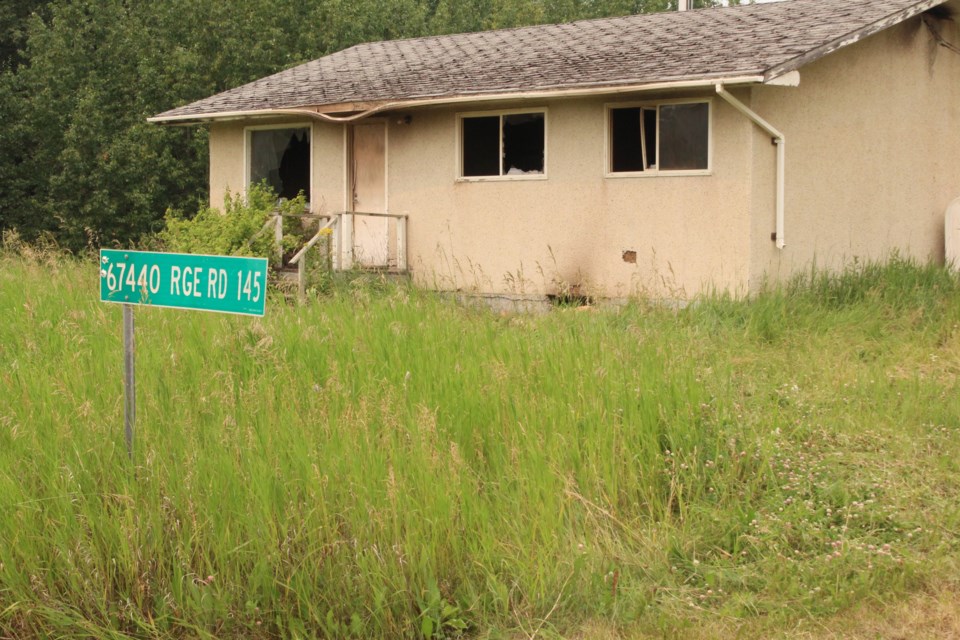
[536, 236]
[228, 163]
[872, 153]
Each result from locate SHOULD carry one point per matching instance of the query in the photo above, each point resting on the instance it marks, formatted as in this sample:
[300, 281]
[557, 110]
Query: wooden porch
[343, 241]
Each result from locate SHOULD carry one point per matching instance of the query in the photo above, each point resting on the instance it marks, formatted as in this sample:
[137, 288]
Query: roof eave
[325, 112]
[850, 38]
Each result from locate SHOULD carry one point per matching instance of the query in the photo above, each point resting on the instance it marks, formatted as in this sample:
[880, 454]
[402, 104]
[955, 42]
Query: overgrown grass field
[384, 463]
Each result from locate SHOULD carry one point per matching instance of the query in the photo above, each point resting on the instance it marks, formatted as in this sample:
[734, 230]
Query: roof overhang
[851, 38]
[352, 111]
[298, 103]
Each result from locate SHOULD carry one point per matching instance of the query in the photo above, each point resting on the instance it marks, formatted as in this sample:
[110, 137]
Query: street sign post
[225, 284]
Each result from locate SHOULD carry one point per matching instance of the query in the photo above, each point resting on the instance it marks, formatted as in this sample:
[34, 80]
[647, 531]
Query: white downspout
[779, 140]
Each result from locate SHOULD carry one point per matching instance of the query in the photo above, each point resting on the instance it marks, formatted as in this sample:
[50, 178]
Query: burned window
[281, 157]
[503, 145]
[481, 146]
[665, 137]
[634, 136]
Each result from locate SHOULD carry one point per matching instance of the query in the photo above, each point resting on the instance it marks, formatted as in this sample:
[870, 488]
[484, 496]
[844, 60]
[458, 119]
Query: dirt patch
[931, 615]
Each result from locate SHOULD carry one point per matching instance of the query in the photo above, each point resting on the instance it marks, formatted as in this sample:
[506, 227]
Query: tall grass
[385, 463]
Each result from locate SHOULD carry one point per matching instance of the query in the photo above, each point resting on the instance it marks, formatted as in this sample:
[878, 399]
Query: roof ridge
[541, 25]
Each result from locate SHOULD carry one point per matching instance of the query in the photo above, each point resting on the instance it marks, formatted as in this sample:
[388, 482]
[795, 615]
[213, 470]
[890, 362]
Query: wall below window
[666, 236]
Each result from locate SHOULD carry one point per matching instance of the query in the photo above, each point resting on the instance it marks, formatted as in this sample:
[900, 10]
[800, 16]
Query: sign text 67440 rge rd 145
[226, 284]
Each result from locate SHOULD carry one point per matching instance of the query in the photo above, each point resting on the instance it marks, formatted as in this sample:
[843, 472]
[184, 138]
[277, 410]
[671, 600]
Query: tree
[14, 16]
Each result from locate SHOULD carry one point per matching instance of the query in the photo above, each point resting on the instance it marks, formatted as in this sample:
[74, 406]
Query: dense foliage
[78, 78]
[238, 230]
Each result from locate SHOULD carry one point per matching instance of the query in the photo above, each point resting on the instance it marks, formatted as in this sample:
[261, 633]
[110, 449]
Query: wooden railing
[300, 258]
[343, 251]
[395, 241]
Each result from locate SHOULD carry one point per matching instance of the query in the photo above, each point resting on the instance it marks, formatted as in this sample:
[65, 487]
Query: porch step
[381, 270]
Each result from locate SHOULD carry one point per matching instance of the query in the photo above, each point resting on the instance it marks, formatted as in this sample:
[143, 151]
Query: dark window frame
[653, 171]
[501, 115]
[248, 133]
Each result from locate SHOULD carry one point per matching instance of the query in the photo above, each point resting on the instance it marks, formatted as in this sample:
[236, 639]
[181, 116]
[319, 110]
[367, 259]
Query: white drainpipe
[779, 140]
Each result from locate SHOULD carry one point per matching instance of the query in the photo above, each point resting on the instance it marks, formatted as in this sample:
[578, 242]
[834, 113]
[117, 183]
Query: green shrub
[234, 231]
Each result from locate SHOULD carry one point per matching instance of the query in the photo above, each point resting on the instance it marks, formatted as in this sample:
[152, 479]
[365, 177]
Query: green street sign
[226, 284]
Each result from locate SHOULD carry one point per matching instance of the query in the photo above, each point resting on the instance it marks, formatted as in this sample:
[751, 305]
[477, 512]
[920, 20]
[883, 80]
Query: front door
[371, 237]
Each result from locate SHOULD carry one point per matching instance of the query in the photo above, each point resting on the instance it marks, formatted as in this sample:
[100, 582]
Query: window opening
[503, 145]
[650, 138]
[628, 139]
[282, 158]
[634, 136]
[481, 146]
[523, 144]
[667, 137]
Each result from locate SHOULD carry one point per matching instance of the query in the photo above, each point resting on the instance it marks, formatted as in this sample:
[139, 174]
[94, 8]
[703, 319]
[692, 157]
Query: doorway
[371, 234]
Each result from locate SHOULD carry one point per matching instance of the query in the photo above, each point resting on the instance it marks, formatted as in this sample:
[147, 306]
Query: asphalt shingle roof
[747, 40]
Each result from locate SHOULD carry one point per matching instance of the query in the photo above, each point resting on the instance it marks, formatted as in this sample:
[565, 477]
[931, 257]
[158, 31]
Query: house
[665, 154]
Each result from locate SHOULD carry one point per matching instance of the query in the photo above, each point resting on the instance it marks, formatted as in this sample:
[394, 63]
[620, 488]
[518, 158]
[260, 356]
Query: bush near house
[238, 230]
[389, 464]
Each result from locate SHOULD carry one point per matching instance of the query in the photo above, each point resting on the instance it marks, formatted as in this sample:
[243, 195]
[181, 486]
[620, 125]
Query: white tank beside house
[951, 234]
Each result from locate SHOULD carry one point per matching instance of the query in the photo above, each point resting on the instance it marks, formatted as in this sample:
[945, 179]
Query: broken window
[481, 146]
[281, 157]
[503, 145]
[659, 138]
[634, 135]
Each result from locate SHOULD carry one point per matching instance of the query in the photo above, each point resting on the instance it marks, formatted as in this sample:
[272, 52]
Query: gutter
[449, 100]
[779, 140]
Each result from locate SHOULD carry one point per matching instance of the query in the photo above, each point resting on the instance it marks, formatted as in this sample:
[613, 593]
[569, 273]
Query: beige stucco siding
[226, 161]
[533, 237]
[329, 168]
[872, 153]
[537, 236]
[228, 166]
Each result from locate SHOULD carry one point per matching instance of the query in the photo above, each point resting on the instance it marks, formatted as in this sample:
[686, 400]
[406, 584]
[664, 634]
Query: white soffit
[789, 79]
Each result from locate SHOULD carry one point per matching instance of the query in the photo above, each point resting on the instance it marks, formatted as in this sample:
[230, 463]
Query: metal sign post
[129, 381]
[226, 284]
